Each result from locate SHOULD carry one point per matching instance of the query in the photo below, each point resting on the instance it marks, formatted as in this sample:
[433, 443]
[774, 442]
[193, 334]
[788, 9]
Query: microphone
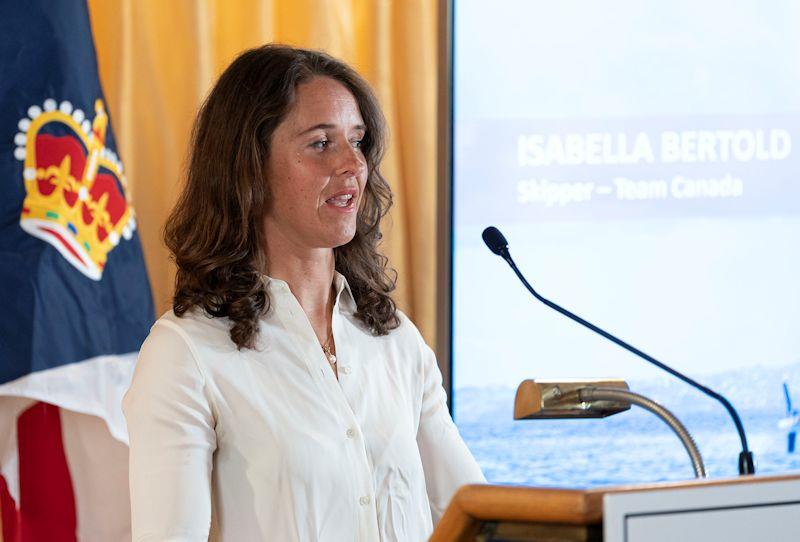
[497, 244]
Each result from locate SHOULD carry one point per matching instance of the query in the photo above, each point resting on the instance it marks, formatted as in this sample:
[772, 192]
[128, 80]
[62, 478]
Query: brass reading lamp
[549, 399]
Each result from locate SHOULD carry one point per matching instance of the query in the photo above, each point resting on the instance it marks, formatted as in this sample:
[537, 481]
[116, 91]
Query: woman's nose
[351, 161]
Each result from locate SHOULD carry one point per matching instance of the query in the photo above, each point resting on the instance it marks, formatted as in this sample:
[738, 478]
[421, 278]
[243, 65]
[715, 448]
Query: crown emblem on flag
[76, 198]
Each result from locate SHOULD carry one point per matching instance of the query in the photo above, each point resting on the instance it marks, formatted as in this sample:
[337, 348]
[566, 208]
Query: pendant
[329, 355]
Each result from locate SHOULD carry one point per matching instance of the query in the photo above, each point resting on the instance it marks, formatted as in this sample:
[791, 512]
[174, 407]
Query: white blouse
[265, 443]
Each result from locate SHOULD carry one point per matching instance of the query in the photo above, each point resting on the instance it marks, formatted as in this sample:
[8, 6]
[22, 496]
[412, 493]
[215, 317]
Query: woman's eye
[357, 143]
[321, 144]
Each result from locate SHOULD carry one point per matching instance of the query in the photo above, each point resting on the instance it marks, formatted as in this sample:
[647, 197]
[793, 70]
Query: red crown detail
[75, 187]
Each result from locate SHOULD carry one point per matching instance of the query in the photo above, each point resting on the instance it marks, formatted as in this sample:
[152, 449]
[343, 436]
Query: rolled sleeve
[172, 439]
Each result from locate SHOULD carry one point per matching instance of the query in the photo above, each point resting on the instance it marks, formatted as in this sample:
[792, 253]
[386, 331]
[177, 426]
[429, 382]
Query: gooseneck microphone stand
[497, 243]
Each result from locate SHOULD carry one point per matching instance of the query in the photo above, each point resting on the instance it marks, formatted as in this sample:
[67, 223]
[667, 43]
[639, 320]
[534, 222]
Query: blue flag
[72, 275]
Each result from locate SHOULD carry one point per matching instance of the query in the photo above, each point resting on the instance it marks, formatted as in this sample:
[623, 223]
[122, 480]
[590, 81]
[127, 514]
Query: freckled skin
[309, 163]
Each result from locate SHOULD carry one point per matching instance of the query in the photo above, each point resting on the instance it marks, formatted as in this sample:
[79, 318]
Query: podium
[513, 513]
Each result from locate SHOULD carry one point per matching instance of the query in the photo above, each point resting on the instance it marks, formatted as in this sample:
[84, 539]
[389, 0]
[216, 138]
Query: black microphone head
[495, 241]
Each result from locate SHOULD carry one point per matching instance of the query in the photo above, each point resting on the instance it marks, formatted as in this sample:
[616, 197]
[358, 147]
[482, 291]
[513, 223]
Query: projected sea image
[632, 447]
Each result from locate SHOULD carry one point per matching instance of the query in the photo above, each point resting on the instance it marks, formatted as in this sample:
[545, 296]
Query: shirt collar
[344, 295]
[347, 302]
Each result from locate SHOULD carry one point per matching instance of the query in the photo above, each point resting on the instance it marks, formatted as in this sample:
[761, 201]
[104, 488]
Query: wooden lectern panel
[487, 512]
[513, 513]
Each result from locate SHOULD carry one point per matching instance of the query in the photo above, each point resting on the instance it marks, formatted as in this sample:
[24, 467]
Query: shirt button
[364, 501]
[350, 433]
[346, 369]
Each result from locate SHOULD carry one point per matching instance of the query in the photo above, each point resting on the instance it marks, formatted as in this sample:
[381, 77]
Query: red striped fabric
[46, 511]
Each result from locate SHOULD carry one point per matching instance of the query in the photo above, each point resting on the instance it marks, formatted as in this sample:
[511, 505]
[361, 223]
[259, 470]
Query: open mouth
[342, 201]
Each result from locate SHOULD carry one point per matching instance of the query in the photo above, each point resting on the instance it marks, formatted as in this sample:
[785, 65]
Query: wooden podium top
[474, 505]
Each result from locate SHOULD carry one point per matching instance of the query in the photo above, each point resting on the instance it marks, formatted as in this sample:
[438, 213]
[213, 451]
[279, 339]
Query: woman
[285, 397]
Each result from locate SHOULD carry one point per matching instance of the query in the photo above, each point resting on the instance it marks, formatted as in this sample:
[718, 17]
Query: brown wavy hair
[215, 231]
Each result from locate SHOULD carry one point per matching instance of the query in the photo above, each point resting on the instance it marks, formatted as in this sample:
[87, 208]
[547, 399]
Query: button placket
[358, 448]
[364, 478]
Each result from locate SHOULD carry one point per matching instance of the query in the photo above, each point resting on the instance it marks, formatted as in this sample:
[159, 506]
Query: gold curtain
[158, 60]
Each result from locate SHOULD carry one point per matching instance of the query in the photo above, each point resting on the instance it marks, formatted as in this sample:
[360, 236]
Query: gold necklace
[328, 351]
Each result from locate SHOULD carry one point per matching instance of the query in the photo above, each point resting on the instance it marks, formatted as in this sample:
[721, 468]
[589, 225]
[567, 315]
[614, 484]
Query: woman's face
[316, 170]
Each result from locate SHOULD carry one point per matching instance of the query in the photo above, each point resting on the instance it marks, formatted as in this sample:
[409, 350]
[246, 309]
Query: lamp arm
[615, 394]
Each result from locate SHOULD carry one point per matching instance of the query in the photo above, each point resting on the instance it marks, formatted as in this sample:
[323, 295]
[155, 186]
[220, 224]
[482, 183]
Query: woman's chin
[344, 231]
[339, 237]
[343, 240]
